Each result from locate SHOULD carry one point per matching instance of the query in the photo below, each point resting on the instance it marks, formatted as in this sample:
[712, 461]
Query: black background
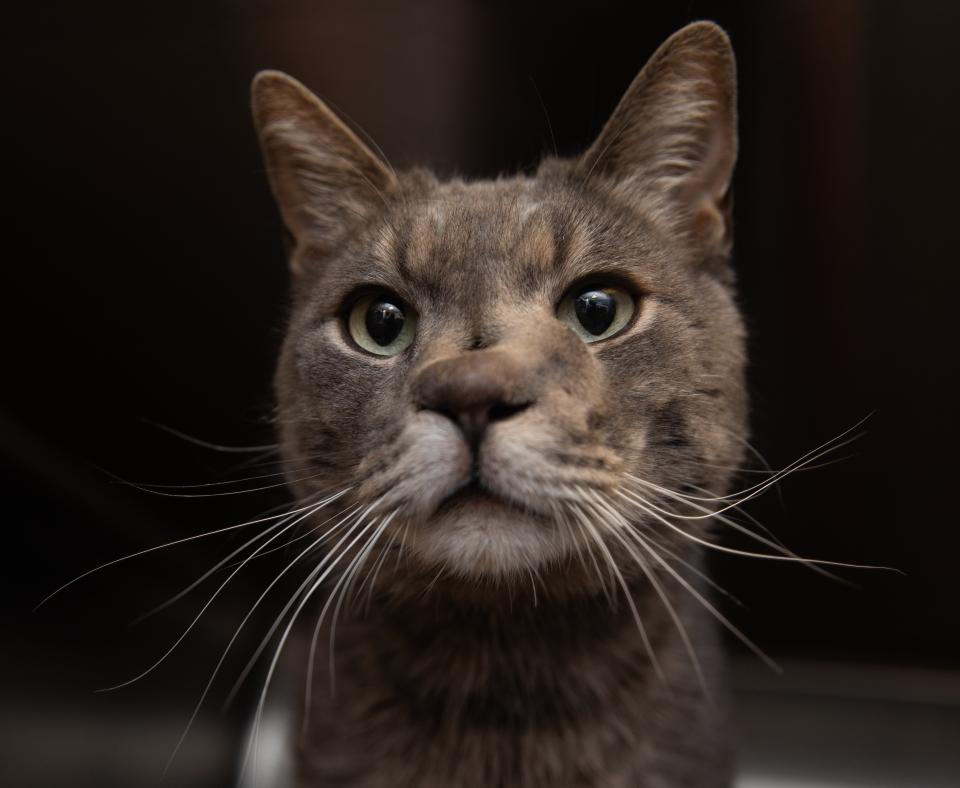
[145, 283]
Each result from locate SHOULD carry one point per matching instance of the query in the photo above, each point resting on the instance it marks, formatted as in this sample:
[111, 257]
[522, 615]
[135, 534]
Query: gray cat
[524, 397]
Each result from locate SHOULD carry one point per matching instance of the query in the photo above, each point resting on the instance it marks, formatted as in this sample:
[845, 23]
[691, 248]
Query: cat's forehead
[472, 247]
[499, 234]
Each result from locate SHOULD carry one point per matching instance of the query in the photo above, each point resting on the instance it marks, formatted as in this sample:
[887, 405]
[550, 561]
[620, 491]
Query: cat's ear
[674, 134]
[323, 177]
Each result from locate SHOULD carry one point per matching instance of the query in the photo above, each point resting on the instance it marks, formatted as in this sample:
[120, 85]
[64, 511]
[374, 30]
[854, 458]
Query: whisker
[706, 603]
[766, 471]
[152, 490]
[264, 642]
[213, 597]
[292, 540]
[384, 552]
[747, 445]
[267, 447]
[655, 583]
[429, 586]
[350, 574]
[286, 634]
[774, 544]
[697, 572]
[236, 634]
[611, 601]
[222, 482]
[308, 683]
[223, 564]
[403, 543]
[253, 463]
[174, 543]
[626, 591]
[643, 506]
[744, 513]
[825, 448]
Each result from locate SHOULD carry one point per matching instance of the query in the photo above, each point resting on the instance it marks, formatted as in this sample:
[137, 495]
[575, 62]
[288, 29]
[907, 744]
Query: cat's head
[503, 372]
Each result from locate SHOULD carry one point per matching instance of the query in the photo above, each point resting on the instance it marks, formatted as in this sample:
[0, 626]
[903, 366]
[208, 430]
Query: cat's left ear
[324, 179]
[672, 140]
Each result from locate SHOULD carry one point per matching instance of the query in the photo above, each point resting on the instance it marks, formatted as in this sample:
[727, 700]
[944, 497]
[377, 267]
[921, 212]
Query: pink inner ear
[709, 224]
[705, 192]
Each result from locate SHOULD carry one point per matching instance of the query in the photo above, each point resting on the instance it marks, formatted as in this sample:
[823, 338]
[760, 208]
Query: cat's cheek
[635, 447]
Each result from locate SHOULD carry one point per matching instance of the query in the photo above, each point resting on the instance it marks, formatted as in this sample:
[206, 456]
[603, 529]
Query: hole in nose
[502, 410]
[473, 422]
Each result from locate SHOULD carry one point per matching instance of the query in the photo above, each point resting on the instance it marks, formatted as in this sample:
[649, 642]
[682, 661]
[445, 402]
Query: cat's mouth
[479, 532]
[473, 495]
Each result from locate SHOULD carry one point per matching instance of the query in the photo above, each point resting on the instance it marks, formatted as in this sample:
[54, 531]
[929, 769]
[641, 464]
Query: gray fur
[491, 652]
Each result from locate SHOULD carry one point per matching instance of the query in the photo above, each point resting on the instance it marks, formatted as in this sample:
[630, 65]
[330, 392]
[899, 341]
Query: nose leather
[473, 390]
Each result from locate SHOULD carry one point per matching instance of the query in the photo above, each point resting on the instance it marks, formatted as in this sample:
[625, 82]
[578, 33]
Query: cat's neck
[562, 693]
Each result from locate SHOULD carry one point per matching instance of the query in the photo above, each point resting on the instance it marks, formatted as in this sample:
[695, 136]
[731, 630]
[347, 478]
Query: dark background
[144, 283]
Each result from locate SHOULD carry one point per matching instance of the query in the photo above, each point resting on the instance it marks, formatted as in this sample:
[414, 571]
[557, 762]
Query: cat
[525, 396]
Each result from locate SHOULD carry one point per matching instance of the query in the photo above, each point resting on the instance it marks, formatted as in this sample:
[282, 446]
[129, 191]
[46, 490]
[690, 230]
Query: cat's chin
[477, 535]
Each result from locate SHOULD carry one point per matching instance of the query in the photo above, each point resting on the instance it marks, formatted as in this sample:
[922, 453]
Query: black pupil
[384, 322]
[595, 310]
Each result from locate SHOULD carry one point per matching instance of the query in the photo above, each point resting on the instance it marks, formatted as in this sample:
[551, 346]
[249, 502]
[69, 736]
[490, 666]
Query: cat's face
[491, 367]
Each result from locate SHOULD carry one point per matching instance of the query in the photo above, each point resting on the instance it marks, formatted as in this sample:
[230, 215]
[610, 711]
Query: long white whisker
[644, 506]
[429, 586]
[351, 529]
[648, 646]
[224, 482]
[236, 633]
[533, 586]
[265, 448]
[350, 575]
[651, 576]
[811, 456]
[744, 513]
[403, 543]
[174, 543]
[695, 571]
[771, 543]
[292, 540]
[706, 603]
[308, 688]
[608, 593]
[286, 634]
[370, 580]
[738, 498]
[789, 556]
[216, 567]
[154, 489]
[213, 597]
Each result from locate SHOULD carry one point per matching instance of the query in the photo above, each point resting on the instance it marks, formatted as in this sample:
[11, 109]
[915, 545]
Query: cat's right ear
[323, 177]
[673, 137]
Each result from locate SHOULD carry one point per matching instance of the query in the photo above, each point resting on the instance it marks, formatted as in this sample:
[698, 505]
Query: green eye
[382, 324]
[596, 312]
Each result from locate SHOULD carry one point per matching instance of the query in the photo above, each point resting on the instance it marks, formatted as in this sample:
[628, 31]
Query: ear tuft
[674, 133]
[323, 177]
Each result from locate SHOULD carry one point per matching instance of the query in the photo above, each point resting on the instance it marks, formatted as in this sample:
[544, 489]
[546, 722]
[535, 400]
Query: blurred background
[144, 284]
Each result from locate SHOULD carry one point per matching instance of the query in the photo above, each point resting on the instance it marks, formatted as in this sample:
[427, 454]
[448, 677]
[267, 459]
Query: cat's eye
[596, 311]
[382, 324]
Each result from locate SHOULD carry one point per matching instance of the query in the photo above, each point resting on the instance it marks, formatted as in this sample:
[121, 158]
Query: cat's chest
[486, 715]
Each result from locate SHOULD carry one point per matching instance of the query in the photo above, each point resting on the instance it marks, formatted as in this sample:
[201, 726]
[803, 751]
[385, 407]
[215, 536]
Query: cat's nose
[473, 390]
